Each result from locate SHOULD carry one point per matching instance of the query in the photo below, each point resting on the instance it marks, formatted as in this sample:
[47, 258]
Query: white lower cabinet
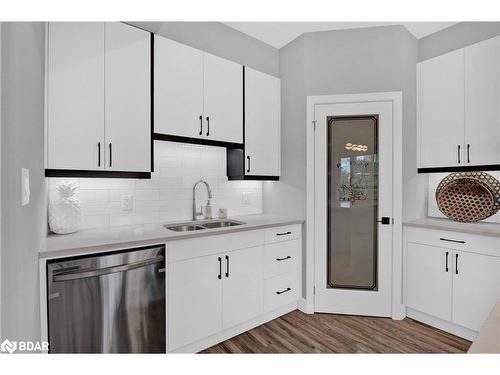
[454, 289]
[216, 294]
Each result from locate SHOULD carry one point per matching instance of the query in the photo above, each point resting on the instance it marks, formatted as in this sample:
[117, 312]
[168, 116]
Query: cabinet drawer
[488, 245]
[285, 233]
[281, 257]
[280, 290]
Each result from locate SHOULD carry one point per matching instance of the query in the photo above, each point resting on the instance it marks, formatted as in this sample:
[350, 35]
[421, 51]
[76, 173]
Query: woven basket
[468, 196]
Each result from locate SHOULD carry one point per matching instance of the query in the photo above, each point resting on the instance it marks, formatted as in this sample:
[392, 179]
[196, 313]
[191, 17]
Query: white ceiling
[278, 34]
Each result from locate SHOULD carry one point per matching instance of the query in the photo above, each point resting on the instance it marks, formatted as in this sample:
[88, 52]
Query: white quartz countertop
[487, 229]
[107, 239]
[488, 340]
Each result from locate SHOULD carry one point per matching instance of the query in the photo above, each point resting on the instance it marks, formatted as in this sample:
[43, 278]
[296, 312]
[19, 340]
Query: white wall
[168, 195]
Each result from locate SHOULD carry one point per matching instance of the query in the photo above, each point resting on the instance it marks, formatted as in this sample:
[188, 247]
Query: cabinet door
[429, 280]
[223, 100]
[482, 102]
[194, 300]
[75, 95]
[243, 286]
[475, 288]
[127, 98]
[441, 106]
[262, 123]
[178, 89]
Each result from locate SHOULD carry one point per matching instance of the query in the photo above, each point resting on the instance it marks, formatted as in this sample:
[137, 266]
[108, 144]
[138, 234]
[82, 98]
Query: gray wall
[454, 37]
[221, 40]
[343, 62]
[22, 80]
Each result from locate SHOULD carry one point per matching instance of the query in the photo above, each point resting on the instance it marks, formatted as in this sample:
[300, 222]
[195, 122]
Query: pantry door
[353, 208]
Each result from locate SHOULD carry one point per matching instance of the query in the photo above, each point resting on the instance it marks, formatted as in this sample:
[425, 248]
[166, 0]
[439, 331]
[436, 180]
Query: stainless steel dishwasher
[108, 303]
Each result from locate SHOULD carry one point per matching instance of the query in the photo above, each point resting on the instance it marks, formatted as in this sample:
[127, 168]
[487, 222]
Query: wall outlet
[25, 186]
[245, 199]
[127, 202]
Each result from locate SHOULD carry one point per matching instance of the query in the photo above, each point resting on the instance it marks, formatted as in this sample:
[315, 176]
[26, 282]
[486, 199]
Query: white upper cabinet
[75, 95]
[441, 111]
[482, 103]
[196, 94]
[98, 97]
[459, 107]
[223, 99]
[178, 89]
[262, 124]
[128, 98]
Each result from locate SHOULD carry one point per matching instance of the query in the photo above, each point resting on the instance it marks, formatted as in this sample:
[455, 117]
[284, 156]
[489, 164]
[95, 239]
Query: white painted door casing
[476, 288]
[223, 99]
[482, 103]
[127, 98]
[75, 95]
[262, 123]
[441, 110]
[194, 300]
[242, 286]
[429, 285]
[178, 89]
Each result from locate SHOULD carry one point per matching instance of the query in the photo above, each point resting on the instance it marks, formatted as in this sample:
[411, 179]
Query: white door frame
[396, 98]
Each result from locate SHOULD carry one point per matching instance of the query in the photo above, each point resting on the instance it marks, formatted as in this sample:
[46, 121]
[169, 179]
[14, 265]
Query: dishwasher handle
[75, 275]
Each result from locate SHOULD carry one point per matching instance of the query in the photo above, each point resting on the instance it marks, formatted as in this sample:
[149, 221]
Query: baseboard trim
[444, 325]
[302, 306]
[236, 330]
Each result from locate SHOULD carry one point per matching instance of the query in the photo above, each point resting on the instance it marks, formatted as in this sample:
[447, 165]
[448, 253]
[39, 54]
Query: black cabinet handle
[456, 264]
[248, 159]
[284, 291]
[468, 153]
[446, 267]
[285, 258]
[110, 155]
[448, 240]
[458, 154]
[98, 154]
[384, 220]
[227, 266]
[201, 124]
[208, 126]
[220, 268]
[283, 233]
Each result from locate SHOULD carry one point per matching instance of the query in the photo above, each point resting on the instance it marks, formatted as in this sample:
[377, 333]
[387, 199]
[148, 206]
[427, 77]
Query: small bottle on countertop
[222, 213]
[208, 210]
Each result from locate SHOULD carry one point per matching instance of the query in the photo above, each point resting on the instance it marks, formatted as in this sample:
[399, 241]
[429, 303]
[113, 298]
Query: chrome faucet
[209, 191]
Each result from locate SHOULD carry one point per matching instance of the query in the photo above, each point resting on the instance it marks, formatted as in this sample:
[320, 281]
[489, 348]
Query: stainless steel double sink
[200, 225]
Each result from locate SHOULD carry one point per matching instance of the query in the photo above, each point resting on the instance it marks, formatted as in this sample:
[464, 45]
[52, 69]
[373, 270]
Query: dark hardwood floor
[297, 332]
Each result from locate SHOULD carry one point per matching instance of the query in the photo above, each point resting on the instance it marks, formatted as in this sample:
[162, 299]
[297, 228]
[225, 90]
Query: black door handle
[284, 291]
[458, 154]
[285, 258]
[208, 126]
[227, 266]
[110, 155]
[468, 153]
[456, 264]
[201, 124]
[98, 154]
[446, 267]
[220, 268]
[284, 233]
[248, 168]
[448, 240]
[385, 220]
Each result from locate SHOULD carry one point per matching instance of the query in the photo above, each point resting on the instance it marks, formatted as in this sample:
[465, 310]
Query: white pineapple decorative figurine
[65, 214]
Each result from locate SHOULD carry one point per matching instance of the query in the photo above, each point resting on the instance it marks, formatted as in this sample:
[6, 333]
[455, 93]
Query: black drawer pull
[448, 240]
[283, 234]
[220, 268]
[284, 291]
[447, 253]
[285, 258]
[227, 266]
[456, 264]
[201, 125]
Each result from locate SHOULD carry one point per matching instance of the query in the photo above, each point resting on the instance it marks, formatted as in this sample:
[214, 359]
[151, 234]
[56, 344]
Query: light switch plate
[127, 202]
[25, 186]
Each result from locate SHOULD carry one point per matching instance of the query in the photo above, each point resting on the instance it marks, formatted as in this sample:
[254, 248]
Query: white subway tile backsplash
[167, 196]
